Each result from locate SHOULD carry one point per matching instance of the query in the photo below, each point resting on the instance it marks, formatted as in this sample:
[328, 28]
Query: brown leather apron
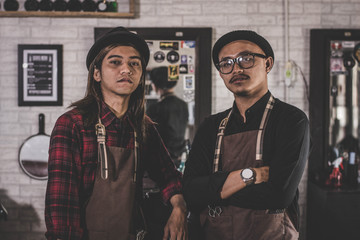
[111, 208]
[240, 151]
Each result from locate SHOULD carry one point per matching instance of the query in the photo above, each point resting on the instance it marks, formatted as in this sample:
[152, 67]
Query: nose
[125, 69]
[237, 68]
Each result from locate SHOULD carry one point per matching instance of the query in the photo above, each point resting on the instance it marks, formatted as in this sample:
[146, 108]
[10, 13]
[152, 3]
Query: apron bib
[111, 209]
[240, 151]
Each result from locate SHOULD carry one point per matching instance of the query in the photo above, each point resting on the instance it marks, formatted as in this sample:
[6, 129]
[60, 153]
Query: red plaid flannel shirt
[73, 161]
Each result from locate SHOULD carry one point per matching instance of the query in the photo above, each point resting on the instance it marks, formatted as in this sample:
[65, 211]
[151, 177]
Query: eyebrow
[119, 56]
[237, 55]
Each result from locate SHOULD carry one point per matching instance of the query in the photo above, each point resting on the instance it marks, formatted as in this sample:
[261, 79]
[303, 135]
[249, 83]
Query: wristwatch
[248, 175]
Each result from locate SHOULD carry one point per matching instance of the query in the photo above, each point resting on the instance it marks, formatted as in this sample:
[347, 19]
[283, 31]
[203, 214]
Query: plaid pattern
[73, 162]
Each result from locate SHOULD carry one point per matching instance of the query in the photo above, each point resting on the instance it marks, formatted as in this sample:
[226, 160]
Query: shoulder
[284, 107]
[287, 114]
[213, 121]
[71, 118]
[150, 126]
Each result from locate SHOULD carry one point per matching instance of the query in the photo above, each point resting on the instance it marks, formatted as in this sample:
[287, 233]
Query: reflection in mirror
[344, 108]
[169, 111]
[33, 154]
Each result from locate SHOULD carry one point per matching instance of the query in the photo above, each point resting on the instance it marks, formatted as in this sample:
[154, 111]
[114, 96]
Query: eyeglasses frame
[235, 60]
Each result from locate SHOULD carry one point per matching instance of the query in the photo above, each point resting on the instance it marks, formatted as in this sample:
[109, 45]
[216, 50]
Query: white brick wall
[24, 197]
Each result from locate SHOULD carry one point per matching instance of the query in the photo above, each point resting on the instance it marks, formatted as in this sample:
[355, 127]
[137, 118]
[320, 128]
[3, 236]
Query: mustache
[237, 76]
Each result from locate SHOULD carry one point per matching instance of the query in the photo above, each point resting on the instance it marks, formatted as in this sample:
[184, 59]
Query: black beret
[159, 76]
[118, 35]
[248, 35]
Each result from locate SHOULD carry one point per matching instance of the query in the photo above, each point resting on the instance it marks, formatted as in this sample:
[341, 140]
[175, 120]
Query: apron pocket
[216, 228]
[269, 226]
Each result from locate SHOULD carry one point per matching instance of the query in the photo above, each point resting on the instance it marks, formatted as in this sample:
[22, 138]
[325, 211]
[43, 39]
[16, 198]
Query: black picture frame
[41, 83]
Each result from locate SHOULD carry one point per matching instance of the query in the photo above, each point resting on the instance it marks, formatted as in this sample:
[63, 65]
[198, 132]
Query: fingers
[176, 227]
[262, 174]
[174, 233]
[181, 235]
[166, 233]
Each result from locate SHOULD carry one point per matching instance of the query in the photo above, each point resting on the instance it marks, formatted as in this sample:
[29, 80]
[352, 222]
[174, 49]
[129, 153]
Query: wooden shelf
[56, 14]
[68, 14]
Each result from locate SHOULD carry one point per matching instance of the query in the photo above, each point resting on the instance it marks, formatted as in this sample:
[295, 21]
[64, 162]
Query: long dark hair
[89, 105]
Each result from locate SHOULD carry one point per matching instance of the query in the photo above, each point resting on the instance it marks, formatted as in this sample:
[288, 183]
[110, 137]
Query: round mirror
[33, 154]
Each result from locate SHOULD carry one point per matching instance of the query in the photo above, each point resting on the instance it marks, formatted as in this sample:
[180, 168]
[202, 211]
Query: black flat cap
[118, 35]
[248, 35]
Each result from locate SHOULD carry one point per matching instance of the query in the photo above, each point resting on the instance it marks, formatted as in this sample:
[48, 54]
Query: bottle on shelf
[112, 6]
[60, 5]
[46, 5]
[11, 5]
[88, 6]
[31, 5]
[102, 6]
[74, 6]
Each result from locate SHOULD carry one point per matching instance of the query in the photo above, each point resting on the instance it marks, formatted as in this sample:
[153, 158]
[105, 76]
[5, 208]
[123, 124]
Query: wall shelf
[56, 14]
[68, 14]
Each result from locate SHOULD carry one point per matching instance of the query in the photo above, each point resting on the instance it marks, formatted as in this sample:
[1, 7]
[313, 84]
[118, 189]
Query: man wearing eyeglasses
[242, 175]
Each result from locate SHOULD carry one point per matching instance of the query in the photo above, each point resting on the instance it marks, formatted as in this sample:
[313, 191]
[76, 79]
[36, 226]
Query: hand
[234, 182]
[176, 226]
[262, 174]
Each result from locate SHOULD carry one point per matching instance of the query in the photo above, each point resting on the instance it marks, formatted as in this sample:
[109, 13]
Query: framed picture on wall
[40, 75]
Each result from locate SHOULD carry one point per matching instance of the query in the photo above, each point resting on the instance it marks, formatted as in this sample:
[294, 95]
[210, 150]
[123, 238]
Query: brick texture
[24, 197]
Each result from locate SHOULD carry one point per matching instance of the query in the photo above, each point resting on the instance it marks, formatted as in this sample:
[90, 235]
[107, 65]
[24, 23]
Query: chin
[241, 93]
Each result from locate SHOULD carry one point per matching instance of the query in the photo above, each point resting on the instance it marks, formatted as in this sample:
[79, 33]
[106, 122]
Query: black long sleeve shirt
[171, 115]
[286, 147]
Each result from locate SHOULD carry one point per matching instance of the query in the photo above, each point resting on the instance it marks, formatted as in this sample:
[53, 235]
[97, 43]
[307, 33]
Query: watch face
[247, 173]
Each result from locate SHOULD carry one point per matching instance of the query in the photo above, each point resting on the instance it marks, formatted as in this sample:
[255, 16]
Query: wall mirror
[333, 195]
[33, 153]
[334, 99]
[187, 51]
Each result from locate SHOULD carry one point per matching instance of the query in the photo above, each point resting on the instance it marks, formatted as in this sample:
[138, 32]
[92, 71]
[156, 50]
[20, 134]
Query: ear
[97, 75]
[269, 64]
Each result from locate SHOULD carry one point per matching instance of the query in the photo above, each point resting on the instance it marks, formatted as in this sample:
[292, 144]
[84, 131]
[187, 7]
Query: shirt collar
[256, 109]
[165, 95]
[107, 116]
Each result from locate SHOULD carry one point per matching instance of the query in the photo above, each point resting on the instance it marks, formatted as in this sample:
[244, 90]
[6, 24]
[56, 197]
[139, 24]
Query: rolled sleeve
[160, 167]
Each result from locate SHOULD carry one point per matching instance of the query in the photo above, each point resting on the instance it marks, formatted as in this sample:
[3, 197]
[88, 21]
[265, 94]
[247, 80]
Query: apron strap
[264, 120]
[136, 153]
[102, 154]
[219, 138]
[260, 136]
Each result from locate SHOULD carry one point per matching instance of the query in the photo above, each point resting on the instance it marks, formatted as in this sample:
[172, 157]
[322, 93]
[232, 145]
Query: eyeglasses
[244, 61]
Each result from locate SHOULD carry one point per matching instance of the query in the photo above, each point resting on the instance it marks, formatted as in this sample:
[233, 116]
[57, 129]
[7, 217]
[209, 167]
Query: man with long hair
[100, 149]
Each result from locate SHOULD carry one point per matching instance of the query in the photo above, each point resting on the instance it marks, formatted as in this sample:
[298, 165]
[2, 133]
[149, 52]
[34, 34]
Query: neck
[118, 106]
[163, 92]
[243, 103]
